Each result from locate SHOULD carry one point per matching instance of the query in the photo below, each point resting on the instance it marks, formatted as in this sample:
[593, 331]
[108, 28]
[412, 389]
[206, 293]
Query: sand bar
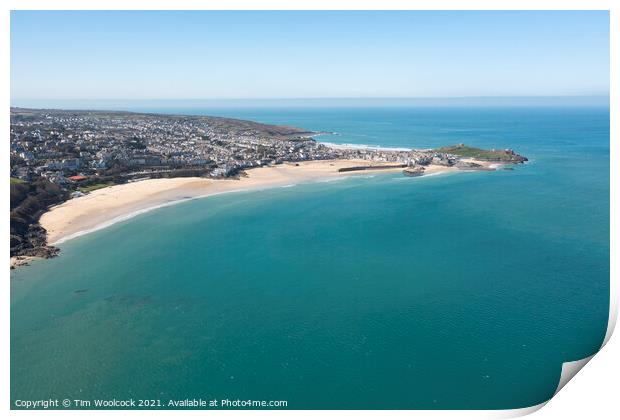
[109, 205]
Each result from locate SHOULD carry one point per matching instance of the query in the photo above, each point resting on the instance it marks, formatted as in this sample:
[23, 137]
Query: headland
[73, 172]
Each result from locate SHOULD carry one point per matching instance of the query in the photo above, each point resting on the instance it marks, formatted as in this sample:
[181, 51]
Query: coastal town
[58, 155]
[78, 148]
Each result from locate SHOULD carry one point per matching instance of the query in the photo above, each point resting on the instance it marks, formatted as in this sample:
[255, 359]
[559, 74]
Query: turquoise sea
[460, 291]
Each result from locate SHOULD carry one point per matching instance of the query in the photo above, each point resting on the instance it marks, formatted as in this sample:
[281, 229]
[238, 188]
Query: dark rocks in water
[46, 251]
[513, 157]
[29, 254]
[80, 291]
[468, 165]
[414, 171]
[19, 261]
[508, 168]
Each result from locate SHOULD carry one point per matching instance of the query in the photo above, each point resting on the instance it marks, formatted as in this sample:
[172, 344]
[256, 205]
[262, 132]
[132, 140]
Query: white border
[601, 380]
[309, 5]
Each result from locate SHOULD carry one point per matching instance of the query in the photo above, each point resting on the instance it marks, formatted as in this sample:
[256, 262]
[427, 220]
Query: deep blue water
[466, 290]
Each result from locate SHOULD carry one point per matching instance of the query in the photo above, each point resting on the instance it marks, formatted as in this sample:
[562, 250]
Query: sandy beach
[109, 205]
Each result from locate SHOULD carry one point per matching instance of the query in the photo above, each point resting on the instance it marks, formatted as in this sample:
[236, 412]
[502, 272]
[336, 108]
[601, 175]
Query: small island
[75, 171]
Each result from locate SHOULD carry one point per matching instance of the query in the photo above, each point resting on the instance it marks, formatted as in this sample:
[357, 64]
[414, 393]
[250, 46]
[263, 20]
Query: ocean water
[459, 291]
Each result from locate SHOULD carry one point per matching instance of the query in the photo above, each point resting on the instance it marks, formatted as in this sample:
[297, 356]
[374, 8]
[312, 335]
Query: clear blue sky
[216, 55]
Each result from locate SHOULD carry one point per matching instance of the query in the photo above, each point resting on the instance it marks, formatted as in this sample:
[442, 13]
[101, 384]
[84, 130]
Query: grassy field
[474, 152]
[17, 181]
[89, 188]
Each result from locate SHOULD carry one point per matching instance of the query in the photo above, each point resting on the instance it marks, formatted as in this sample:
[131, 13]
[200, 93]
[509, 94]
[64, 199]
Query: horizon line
[598, 95]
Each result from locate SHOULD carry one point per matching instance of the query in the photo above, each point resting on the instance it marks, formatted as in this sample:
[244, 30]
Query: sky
[148, 55]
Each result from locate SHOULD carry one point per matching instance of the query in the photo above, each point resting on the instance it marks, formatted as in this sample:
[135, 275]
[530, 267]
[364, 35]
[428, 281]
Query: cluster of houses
[67, 147]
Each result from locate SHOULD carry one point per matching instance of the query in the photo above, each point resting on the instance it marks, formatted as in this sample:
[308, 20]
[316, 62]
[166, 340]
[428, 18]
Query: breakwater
[371, 167]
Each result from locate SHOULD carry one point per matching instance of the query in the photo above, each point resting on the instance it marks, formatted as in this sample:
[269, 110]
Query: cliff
[28, 202]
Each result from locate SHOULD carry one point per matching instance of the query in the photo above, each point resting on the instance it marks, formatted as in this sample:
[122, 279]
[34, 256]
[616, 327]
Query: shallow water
[463, 290]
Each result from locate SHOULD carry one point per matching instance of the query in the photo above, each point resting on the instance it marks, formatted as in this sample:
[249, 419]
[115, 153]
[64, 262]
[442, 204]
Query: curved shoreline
[108, 206]
[131, 215]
